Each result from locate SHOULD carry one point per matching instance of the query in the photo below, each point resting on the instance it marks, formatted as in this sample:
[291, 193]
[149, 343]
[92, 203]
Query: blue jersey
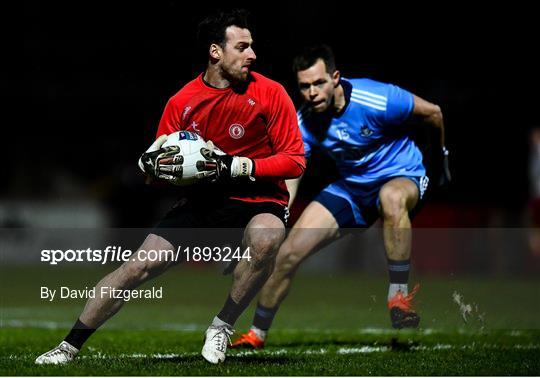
[368, 140]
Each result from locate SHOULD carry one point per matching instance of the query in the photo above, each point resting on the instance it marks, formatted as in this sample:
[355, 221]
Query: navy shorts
[358, 205]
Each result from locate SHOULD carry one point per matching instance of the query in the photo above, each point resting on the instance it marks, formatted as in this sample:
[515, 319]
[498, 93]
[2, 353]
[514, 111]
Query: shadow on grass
[252, 358]
[394, 344]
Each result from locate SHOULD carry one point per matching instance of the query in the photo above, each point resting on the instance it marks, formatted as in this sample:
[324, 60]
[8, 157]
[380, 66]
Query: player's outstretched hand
[223, 167]
[162, 162]
[445, 177]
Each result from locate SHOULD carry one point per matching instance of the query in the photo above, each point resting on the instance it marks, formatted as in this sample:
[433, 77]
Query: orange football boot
[248, 340]
[402, 314]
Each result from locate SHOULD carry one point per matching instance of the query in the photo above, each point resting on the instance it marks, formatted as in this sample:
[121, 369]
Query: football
[190, 145]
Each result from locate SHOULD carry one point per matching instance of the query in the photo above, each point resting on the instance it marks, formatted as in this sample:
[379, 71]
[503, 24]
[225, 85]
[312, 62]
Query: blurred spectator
[533, 211]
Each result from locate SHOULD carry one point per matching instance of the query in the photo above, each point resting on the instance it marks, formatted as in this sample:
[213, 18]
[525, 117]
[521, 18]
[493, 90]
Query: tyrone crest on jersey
[236, 131]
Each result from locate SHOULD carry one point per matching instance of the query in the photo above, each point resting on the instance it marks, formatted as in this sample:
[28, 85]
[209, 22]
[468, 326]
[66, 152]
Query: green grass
[330, 325]
[120, 352]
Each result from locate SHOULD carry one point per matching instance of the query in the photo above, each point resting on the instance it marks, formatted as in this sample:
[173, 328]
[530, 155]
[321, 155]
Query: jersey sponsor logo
[341, 154]
[236, 131]
[365, 131]
[187, 135]
[251, 102]
[357, 154]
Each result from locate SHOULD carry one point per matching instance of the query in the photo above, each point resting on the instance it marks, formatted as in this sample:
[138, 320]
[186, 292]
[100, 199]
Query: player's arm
[403, 105]
[431, 114]
[224, 166]
[288, 160]
[294, 184]
[292, 187]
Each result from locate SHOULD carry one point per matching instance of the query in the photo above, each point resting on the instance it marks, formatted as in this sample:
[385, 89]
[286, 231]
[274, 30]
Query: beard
[236, 75]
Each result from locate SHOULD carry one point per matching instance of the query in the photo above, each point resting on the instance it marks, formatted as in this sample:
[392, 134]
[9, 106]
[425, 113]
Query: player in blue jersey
[360, 123]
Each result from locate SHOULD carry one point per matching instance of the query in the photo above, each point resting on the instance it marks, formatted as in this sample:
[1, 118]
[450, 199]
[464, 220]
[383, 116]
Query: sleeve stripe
[369, 99]
[369, 94]
[378, 107]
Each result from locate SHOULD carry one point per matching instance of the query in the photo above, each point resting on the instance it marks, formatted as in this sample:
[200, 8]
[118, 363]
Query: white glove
[150, 161]
[222, 167]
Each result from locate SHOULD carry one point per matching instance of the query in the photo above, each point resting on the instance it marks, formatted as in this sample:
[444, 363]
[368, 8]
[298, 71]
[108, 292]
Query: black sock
[264, 316]
[399, 271]
[79, 334]
[231, 311]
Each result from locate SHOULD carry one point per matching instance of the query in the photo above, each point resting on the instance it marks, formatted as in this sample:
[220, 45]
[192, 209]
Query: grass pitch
[329, 325]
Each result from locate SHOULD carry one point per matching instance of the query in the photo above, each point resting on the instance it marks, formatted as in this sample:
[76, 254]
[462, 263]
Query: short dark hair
[311, 54]
[212, 28]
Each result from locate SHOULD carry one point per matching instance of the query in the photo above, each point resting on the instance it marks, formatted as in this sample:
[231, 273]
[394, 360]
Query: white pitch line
[43, 324]
[196, 327]
[364, 349]
[47, 324]
[282, 351]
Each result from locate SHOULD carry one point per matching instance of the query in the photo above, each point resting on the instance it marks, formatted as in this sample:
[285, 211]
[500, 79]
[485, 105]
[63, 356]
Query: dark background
[85, 85]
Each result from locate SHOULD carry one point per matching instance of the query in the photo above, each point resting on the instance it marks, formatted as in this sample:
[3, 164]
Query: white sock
[261, 334]
[217, 322]
[395, 287]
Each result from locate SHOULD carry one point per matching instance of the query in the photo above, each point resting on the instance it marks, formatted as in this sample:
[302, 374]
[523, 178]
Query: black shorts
[199, 219]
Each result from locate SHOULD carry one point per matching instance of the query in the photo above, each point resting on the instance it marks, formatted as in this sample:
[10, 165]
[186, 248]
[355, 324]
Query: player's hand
[445, 177]
[220, 166]
[162, 162]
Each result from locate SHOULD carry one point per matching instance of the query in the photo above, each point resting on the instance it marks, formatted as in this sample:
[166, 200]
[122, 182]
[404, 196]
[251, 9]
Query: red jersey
[258, 122]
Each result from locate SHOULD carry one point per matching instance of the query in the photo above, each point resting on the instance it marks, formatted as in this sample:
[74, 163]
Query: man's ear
[215, 51]
[335, 77]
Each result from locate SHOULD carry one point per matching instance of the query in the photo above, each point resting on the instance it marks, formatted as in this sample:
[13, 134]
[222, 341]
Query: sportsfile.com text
[119, 254]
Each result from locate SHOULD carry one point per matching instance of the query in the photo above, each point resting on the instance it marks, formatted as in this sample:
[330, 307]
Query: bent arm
[292, 187]
[280, 165]
[430, 114]
[288, 160]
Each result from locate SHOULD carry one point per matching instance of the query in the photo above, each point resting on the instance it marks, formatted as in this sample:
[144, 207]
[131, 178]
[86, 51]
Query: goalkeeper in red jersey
[253, 121]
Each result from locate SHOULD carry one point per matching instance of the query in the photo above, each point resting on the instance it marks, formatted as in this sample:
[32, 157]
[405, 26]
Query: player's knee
[265, 240]
[393, 203]
[288, 264]
[289, 258]
[264, 244]
[156, 242]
